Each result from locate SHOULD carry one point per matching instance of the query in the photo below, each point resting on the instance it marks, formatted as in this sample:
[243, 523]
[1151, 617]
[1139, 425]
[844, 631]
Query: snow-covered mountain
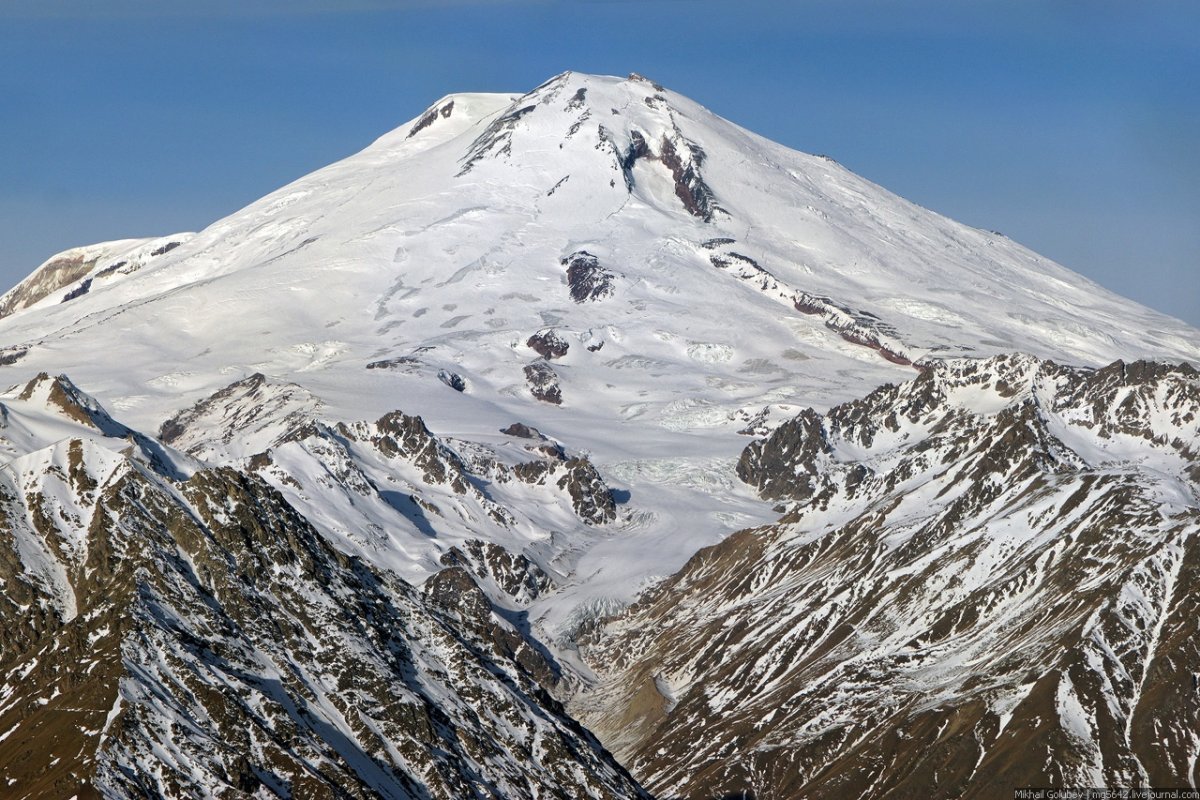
[512, 353]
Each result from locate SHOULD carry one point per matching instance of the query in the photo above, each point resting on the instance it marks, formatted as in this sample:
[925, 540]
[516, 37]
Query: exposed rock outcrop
[543, 382]
[513, 573]
[452, 379]
[523, 431]
[57, 273]
[548, 344]
[587, 280]
[431, 116]
[398, 434]
[455, 592]
[855, 326]
[76, 270]
[592, 498]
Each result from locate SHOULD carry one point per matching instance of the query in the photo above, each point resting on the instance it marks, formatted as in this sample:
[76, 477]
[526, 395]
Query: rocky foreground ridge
[983, 578]
[172, 630]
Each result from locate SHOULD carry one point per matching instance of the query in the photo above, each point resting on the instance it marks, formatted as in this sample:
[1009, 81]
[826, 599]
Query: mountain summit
[489, 379]
[696, 281]
[675, 208]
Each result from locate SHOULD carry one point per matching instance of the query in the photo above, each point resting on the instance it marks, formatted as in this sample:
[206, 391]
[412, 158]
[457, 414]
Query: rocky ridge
[77, 269]
[172, 636]
[982, 579]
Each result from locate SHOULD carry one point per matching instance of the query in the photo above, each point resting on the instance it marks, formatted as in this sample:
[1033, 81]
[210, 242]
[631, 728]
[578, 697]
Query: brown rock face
[455, 592]
[51, 277]
[87, 263]
[523, 431]
[513, 573]
[548, 344]
[543, 382]
[690, 187]
[856, 326]
[592, 499]
[431, 116]
[403, 435]
[587, 280]
[984, 578]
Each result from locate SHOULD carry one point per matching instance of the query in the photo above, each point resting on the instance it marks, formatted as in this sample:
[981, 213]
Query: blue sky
[1073, 126]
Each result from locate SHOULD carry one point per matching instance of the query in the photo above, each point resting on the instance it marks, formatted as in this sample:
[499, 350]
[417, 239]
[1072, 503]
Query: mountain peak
[62, 397]
[630, 125]
[461, 232]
